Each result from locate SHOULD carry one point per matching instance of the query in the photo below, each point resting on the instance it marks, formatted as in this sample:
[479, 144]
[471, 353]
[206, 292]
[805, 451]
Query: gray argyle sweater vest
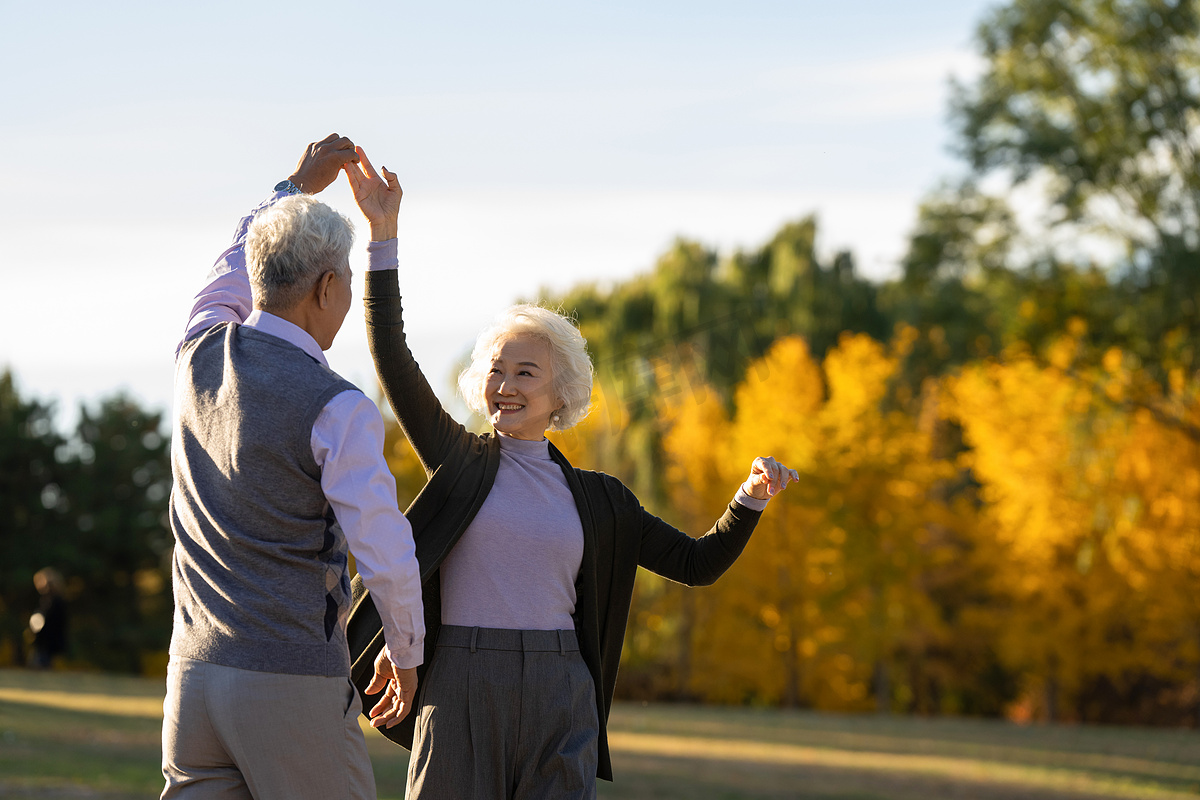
[259, 568]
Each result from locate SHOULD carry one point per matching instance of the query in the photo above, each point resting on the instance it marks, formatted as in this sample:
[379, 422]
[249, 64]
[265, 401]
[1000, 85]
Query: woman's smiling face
[519, 387]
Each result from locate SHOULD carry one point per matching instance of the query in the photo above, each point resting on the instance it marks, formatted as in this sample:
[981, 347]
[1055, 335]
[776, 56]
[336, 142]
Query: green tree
[115, 546]
[94, 506]
[1097, 103]
[32, 497]
[957, 289]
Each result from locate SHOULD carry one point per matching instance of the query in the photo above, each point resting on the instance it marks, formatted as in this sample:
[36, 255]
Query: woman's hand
[378, 197]
[768, 478]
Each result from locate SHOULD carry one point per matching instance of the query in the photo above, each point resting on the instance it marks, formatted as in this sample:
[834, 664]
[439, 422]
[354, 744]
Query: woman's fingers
[365, 164]
[765, 470]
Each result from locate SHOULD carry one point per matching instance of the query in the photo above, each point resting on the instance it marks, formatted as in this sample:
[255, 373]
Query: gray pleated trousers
[505, 714]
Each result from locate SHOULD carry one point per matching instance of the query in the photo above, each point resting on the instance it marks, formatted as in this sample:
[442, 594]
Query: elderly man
[279, 470]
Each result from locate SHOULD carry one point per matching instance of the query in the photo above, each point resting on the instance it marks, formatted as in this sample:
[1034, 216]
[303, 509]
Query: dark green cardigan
[619, 535]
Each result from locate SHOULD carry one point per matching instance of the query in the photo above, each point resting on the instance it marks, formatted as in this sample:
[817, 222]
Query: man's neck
[302, 316]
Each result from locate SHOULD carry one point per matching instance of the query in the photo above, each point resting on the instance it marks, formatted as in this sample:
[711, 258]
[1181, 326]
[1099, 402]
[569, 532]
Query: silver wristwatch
[289, 187]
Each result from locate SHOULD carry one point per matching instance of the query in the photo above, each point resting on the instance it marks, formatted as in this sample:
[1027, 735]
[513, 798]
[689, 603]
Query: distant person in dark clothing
[49, 622]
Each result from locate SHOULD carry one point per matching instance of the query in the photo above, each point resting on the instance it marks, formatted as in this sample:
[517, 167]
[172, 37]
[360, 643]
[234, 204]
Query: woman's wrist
[382, 231]
[744, 498]
[749, 489]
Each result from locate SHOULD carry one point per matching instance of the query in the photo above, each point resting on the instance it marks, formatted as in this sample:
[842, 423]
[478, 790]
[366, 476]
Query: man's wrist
[290, 185]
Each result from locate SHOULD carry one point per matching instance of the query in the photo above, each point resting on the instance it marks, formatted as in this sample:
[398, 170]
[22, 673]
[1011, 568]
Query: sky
[539, 144]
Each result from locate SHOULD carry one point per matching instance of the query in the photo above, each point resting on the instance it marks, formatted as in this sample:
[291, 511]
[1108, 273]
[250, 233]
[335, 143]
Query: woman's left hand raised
[378, 197]
[768, 478]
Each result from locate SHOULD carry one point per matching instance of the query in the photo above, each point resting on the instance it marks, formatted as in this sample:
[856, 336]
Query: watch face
[287, 186]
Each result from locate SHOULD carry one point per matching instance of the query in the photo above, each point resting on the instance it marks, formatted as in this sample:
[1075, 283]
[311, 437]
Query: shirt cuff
[382, 255]
[749, 501]
[408, 658]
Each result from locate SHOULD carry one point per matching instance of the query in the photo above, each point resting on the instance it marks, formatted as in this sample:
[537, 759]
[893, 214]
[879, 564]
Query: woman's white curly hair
[571, 365]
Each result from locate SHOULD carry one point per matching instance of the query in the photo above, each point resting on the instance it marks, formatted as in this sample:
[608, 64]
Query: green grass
[97, 736]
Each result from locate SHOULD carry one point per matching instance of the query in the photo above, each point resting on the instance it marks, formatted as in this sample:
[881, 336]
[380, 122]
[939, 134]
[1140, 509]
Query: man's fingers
[339, 159]
[395, 710]
[379, 708]
[377, 683]
[331, 143]
[404, 709]
[403, 706]
[383, 710]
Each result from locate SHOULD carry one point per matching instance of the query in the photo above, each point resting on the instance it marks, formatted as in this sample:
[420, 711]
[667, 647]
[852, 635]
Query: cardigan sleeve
[673, 554]
[429, 428]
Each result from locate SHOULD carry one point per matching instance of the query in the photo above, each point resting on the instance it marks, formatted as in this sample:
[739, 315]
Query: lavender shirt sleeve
[382, 255]
[347, 442]
[749, 501]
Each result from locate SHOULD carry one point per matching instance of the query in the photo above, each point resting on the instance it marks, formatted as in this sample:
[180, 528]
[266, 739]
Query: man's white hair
[290, 245]
[568, 352]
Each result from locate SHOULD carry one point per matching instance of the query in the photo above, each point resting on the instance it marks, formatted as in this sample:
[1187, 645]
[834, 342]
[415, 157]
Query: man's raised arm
[226, 296]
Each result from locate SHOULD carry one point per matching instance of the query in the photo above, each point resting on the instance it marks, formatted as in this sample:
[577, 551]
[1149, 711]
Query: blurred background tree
[1093, 107]
[31, 495]
[94, 507]
[115, 549]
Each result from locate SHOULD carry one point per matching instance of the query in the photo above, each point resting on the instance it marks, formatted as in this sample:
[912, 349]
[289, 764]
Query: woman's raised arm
[432, 432]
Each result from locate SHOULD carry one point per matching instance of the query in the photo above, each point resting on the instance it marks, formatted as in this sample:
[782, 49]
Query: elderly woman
[527, 563]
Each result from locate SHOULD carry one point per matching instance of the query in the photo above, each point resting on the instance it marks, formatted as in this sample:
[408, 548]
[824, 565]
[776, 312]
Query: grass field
[97, 736]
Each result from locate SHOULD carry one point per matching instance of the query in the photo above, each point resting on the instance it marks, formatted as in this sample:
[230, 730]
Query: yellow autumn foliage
[828, 589]
[1091, 487]
[1055, 544]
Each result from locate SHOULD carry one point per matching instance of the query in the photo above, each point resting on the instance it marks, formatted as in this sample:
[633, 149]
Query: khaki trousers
[233, 733]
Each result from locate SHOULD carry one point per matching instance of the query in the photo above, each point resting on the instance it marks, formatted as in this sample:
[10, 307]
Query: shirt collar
[267, 322]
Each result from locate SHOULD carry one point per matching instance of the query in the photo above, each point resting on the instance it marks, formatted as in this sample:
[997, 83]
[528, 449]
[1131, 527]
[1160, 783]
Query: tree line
[92, 505]
[1000, 445]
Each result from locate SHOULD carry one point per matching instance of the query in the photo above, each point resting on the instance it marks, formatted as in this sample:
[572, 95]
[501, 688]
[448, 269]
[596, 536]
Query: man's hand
[401, 692]
[378, 198]
[321, 162]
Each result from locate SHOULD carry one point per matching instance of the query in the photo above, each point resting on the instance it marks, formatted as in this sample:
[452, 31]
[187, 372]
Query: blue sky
[539, 144]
